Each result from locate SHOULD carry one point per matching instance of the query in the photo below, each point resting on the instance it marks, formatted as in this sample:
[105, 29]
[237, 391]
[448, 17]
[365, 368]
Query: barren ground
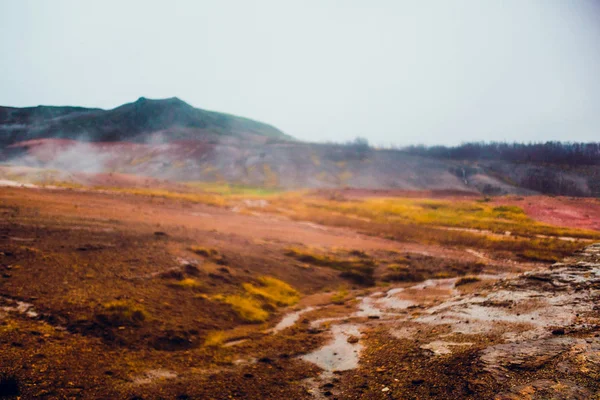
[512, 330]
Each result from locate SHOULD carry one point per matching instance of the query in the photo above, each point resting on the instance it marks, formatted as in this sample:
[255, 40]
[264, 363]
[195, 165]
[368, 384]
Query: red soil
[562, 211]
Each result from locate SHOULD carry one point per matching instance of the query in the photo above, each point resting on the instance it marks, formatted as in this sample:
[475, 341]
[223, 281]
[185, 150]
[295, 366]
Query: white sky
[398, 71]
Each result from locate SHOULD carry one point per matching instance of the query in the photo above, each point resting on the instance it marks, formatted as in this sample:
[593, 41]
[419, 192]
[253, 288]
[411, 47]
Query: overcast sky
[398, 71]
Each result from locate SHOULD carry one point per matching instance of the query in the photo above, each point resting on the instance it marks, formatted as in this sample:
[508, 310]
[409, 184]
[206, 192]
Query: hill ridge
[174, 118]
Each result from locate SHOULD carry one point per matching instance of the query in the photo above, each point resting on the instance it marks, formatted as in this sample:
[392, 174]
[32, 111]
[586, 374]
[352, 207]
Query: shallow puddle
[338, 354]
[367, 308]
[290, 319]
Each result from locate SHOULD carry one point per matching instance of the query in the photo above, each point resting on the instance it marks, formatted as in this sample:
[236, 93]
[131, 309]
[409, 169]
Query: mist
[73, 157]
[395, 72]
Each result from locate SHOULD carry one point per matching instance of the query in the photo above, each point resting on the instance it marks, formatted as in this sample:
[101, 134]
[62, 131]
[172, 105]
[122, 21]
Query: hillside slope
[169, 139]
[138, 121]
[281, 164]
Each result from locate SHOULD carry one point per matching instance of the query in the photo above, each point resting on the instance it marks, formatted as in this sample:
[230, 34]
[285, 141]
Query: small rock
[385, 389]
[353, 339]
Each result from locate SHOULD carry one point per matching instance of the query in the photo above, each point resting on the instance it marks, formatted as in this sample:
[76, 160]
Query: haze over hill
[169, 139]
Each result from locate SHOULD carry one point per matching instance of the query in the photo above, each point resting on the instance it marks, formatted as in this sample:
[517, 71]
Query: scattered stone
[353, 339]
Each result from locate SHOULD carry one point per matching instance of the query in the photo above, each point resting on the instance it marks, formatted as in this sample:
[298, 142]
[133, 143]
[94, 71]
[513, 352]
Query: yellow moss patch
[188, 283]
[340, 296]
[203, 251]
[397, 267]
[215, 338]
[539, 255]
[248, 308]
[204, 198]
[121, 312]
[253, 305]
[273, 291]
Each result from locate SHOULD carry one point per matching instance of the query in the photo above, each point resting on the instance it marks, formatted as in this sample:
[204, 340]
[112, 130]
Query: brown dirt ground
[68, 252]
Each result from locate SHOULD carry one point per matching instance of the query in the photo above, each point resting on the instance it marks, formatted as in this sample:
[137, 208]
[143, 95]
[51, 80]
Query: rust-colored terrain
[111, 294]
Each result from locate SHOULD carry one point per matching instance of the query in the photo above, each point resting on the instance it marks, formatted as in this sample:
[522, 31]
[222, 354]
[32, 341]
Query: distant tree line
[550, 152]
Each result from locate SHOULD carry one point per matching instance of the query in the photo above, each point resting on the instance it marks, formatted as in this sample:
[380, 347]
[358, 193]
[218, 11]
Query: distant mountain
[172, 119]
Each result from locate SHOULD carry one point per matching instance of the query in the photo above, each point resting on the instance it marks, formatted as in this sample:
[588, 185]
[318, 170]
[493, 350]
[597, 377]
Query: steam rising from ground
[75, 157]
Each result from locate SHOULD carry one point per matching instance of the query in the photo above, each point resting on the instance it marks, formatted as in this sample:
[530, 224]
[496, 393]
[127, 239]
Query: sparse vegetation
[451, 223]
[214, 339]
[248, 308]
[121, 312]
[254, 305]
[356, 269]
[465, 280]
[187, 283]
[273, 291]
[537, 255]
[204, 251]
[194, 197]
[212, 254]
[339, 297]
[230, 189]
[199, 311]
[416, 268]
